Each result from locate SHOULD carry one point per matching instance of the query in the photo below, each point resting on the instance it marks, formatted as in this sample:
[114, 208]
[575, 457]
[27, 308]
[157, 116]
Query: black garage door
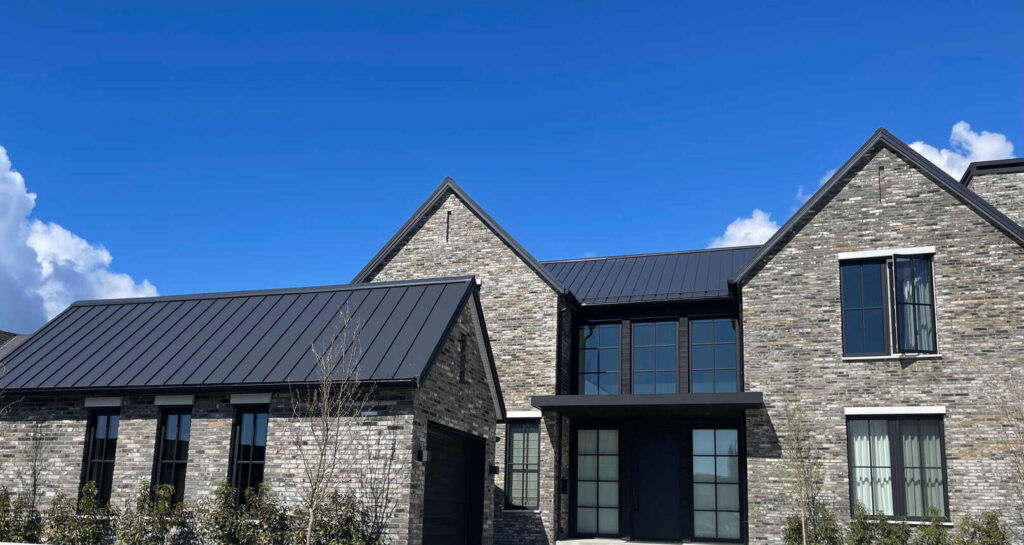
[453, 499]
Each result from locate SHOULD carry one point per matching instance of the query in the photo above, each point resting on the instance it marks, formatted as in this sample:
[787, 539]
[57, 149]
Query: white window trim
[91, 402]
[250, 399]
[894, 357]
[176, 400]
[895, 411]
[867, 254]
[522, 415]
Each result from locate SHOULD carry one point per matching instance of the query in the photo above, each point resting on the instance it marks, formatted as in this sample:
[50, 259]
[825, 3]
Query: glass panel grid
[863, 308]
[597, 482]
[100, 451]
[250, 448]
[599, 359]
[716, 484]
[654, 357]
[915, 312]
[172, 449]
[713, 355]
[523, 471]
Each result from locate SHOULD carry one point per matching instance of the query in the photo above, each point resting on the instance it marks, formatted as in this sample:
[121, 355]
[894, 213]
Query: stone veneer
[793, 340]
[521, 312]
[53, 430]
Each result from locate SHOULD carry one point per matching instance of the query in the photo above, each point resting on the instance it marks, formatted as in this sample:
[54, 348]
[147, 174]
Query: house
[647, 397]
[196, 390]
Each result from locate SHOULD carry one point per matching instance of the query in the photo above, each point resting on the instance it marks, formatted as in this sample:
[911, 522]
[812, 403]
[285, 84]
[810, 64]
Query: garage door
[453, 497]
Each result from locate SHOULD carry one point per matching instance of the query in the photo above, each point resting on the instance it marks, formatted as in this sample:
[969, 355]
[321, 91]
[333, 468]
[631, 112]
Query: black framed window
[522, 468]
[716, 484]
[599, 359]
[915, 305]
[173, 435]
[100, 450]
[864, 308]
[654, 357]
[249, 448]
[597, 482]
[898, 465]
[714, 355]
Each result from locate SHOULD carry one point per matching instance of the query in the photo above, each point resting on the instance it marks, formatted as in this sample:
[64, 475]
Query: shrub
[934, 533]
[83, 523]
[155, 519]
[19, 520]
[983, 531]
[338, 522]
[258, 520]
[822, 529]
[866, 529]
[889, 532]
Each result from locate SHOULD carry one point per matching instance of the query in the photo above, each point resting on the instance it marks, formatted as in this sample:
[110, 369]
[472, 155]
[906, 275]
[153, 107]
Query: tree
[1014, 414]
[805, 471]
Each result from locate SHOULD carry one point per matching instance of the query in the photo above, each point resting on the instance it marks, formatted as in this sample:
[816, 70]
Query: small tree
[805, 471]
[85, 522]
[19, 520]
[933, 533]
[984, 531]
[154, 519]
[257, 520]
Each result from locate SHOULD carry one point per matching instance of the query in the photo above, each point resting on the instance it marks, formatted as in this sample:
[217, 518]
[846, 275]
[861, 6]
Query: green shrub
[889, 532]
[983, 531]
[933, 533]
[83, 523]
[258, 520]
[19, 520]
[822, 529]
[338, 522]
[867, 529]
[155, 519]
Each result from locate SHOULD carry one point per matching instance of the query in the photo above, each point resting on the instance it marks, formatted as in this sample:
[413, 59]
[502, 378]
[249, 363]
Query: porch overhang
[668, 405]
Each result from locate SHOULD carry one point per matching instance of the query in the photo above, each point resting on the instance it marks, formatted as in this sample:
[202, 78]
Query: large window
[599, 361]
[897, 466]
[249, 448]
[172, 449]
[881, 294]
[100, 448]
[522, 470]
[654, 357]
[716, 484]
[713, 355]
[597, 482]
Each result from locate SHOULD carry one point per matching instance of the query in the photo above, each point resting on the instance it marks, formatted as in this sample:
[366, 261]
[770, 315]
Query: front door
[657, 458]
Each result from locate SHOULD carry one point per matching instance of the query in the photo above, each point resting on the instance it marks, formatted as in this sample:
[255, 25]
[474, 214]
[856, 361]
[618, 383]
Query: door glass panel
[597, 482]
[716, 486]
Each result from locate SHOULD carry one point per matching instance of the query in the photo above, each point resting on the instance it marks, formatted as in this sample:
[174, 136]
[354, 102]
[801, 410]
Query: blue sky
[203, 149]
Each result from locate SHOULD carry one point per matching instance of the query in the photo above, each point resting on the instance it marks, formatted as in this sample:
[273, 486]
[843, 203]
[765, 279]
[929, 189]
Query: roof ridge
[275, 291]
[652, 254]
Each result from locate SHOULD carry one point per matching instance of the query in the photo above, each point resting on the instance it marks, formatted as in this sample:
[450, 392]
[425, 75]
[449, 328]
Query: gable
[881, 140]
[427, 211]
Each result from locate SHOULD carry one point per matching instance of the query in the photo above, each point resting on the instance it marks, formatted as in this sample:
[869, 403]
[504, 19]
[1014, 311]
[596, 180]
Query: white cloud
[45, 267]
[802, 197]
[966, 146]
[756, 229]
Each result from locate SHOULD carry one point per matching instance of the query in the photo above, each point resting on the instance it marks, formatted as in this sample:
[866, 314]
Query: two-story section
[655, 404]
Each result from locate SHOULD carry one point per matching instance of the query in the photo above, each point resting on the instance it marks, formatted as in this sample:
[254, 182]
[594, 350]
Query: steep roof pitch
[827, 191]
[672, 276]
[432, 202]
[242, 340]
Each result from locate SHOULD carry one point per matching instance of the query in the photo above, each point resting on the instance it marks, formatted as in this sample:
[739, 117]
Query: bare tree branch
[806, 473]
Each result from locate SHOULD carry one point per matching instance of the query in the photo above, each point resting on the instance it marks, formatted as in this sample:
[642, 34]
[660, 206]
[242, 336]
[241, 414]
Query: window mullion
[899, 503]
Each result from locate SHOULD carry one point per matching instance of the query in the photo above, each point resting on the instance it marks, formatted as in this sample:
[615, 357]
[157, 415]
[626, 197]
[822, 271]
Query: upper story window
[249, 447]
[654, 357]
[100, 449]
[599, 359]
[173, 435]
[888, 306]
[714, 354]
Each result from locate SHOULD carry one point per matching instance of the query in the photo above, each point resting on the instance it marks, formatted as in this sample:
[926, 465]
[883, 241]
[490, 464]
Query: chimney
[1001, 183]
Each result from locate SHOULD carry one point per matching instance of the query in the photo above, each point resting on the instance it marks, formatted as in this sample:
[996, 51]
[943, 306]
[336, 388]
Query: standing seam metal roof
[238, 339]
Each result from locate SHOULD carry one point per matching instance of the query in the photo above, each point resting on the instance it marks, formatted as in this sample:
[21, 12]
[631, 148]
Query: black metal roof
[999, 166]
[234, 340]
[828, 190]
[695, 274]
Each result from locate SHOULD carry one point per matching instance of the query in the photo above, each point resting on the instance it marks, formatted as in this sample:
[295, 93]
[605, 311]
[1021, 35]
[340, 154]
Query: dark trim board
[984, 168]
[717, 404]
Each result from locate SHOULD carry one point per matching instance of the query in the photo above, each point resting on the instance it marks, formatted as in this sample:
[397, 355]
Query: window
[599, 369]
[654, 358]
[100, 448]
[249, 448]
[597, 482]
[172, 449]
[713, 355]
[897, 466]
[881, 294]
[716, 484]
[522, 470]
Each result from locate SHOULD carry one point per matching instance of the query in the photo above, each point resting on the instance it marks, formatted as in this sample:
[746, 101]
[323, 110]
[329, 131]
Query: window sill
[508, 511]
[944, 523]
[894, 357]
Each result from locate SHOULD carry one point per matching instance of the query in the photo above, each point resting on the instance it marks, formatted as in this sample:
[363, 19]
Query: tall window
[716, 484]
[713, 355]
[599, 359]
[522, 472]
[888, 306]
[100, 448]
[597, 482]
[897, 466]
[249, 448]
[172, 449]
[654, 358]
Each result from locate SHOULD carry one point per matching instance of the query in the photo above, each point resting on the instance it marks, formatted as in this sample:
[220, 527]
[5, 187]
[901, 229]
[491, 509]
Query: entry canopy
[630, 405]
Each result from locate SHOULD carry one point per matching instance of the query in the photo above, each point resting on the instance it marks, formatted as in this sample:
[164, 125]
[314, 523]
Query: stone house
[647, 395]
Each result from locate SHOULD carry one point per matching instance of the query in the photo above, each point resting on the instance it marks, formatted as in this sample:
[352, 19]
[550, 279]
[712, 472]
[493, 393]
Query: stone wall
[1004, 191]
[521, 312]
[793, 340]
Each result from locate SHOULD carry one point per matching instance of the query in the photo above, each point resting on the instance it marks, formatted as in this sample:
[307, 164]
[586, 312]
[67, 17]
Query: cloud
[966, 146]
[756, 229]
[802, 197]
[46, 267]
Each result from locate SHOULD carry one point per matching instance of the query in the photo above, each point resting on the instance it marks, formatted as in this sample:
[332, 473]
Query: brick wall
[1004, 191]
[50, 431]
[793, 340]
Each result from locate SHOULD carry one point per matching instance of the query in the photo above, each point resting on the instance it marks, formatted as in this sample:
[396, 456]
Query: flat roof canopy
[710, 405]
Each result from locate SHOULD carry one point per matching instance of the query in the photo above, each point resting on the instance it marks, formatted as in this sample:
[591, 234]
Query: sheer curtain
[872, 467]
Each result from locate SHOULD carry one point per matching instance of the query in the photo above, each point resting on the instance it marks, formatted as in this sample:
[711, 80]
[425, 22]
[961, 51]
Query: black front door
[657, 459]
[453, 496]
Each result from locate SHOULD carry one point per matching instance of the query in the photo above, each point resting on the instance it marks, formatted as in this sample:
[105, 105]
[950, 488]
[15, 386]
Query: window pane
[590, 361]
[933, 493]
[586, 520]
[861, 442]
[608, 383]
[587, 443]
[725, 356]
[586, 494]
[665, 383]
[728, 469]
[590, 384]
[609, 335]
[882, 482]
[609, 359]
[704, 496]
[874, 331]
[853, 331]
[247, 427]
[862, 488]
[643, 334]
[728, 525]
[912, 488]
[703, 357]
[931, 441]
[925, 321]
[704, 469]
[700, 331]
[588, 337]
[923, 281]
[852, 294]
[727, 442]
[587, 468]
[608, 441]
[703, 441]
[702, 382]
[872, 284]
[904, 270]
[608, 521]
[667, 333]
[608, 468]
[608, 494]
[643, 383]
[911, 444]
[879, 443]
[725, 331]
[643, 359]
[729, 497]
[704, 524]
[666, 358]
[725, 381]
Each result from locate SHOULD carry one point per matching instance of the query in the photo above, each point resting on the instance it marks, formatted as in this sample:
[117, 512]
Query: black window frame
[738, 345]
[233, 469]
[885, 307]
[897, 470]
[896, 304]
[740, 483]
[104, 484]
[581, 372]
[510, 463]
[655, 322]
[177, 464]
